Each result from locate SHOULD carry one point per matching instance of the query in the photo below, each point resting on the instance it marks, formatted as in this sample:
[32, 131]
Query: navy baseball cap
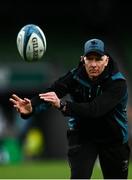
[94, 45]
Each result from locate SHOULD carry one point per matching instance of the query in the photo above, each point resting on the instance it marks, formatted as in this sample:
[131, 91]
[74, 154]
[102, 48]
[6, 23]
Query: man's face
[95, 64]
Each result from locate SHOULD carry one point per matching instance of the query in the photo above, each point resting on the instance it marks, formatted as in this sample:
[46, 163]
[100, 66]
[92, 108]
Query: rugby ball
[31, 43]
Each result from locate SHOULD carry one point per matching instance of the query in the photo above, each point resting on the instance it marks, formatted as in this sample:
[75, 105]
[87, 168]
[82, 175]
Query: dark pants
[114, 160]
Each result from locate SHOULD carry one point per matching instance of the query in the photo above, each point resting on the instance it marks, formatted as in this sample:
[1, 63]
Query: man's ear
[107, 60]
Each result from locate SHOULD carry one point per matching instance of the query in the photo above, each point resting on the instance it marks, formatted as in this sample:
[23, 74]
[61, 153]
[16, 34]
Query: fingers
[16, 107]
[14, 96]
[49, 96]
[12, 100]
[18, 101]
[15, 99]
[27, 100]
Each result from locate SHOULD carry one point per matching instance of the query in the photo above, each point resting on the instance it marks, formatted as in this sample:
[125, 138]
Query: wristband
[62, 105]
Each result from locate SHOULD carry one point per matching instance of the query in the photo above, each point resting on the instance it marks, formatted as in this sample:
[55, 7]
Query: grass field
[51, 169]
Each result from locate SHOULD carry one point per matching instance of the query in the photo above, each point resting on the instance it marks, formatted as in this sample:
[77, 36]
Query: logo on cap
[94, 43]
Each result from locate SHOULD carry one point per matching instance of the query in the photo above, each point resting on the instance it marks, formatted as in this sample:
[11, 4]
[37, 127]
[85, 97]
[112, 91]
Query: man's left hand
[52, 98]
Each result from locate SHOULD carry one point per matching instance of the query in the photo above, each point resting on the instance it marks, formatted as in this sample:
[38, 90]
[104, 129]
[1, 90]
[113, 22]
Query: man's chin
[93, 76]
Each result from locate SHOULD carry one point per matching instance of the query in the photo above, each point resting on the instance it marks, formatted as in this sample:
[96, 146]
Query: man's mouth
[93, 71]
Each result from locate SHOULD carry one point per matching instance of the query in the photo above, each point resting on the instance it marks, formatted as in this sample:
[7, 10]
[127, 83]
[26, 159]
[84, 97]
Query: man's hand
[23, 106]
[52, 98]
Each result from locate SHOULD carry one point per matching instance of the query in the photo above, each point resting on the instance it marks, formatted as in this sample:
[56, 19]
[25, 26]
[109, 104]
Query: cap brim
[94, 51]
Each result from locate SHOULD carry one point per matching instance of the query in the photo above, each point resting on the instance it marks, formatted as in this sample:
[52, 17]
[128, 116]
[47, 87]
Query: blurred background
[67, 25]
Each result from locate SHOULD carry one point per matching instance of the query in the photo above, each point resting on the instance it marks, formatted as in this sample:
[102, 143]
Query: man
[98, 124]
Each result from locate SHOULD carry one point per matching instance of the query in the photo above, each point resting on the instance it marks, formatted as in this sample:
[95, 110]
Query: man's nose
[93, 63]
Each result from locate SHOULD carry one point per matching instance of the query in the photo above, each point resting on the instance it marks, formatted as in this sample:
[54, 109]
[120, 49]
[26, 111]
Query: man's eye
[90, 59]
[98, 59]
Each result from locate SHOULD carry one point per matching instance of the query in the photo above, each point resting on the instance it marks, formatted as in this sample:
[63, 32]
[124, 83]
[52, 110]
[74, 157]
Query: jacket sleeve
[60, 87]
[101, 104]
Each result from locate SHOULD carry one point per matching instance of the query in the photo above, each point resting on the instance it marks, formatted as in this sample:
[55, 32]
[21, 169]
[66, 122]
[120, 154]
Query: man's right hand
[23, 106]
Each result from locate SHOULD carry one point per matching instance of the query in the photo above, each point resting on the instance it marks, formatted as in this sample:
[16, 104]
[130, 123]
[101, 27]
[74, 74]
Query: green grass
[44, 170]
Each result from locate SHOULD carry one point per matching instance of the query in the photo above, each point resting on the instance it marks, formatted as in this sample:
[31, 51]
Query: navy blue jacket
[97, 109]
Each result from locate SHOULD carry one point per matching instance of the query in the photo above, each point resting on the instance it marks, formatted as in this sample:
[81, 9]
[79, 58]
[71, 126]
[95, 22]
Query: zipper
[89, 93]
